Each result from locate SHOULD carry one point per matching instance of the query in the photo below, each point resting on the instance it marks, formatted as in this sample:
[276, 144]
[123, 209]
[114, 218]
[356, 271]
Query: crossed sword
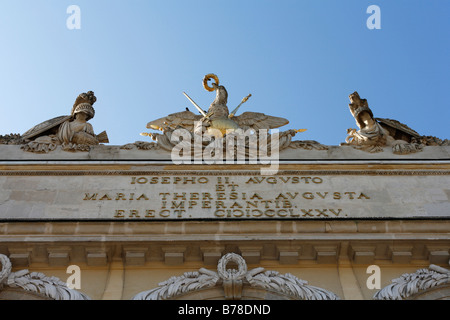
[231, 115]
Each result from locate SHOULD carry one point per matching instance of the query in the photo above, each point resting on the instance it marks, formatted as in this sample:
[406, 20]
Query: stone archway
[236, 284]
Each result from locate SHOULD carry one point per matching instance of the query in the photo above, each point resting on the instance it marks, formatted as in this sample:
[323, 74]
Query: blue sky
[299, 60]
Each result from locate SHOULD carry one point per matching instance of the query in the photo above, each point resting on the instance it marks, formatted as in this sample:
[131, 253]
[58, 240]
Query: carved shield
[44, 126]
[398, 126]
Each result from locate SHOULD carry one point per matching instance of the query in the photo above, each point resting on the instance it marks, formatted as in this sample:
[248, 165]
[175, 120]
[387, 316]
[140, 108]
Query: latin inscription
[252, 197]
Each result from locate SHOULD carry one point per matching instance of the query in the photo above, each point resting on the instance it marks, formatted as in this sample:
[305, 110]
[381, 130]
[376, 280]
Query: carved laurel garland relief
[234, 280]
[231, 280]
[36, 282]
[411, 285]
[432, 282]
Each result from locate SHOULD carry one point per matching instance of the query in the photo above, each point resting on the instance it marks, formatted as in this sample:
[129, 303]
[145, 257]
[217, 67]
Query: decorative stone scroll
[410, 284]
[233, 281]
[36, 282]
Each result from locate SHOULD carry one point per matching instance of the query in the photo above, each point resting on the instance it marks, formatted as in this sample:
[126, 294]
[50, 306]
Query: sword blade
[195, 105]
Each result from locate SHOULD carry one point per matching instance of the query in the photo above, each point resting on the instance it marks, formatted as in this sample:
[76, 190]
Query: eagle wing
[257, 121]
[184, 119]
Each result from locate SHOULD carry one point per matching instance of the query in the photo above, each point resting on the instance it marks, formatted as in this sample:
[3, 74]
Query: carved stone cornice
[421, 242]
[78, 172]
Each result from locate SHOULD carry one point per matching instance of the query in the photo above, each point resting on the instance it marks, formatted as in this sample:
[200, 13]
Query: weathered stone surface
[74, 190]
[111, 152]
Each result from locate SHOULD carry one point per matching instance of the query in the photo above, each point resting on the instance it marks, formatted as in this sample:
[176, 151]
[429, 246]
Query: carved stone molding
[421, 242]
[36, 282]
[224, 173]
[234, 280]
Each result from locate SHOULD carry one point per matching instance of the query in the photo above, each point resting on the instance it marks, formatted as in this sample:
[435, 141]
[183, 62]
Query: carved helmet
[84, 103]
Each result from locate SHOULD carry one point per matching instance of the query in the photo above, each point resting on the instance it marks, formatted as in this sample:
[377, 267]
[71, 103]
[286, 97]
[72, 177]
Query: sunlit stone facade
[341, 220]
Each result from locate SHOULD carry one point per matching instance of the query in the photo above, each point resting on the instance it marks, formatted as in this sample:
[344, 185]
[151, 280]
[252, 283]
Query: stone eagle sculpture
[217, 118]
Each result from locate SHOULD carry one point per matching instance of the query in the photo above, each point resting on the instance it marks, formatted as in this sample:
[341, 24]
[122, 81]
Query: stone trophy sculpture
[218, 116]
[216, 123]
[72, 132]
